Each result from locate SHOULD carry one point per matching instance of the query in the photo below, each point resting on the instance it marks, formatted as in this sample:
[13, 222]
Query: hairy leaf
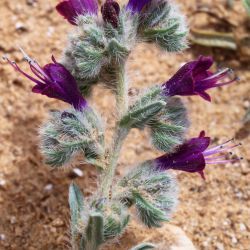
[149, 214]
[144, 246]
[138, 118]
[153, 193]
[94, 232]
[70, 132]
[76, 206]
[247, 5]
[161, 23]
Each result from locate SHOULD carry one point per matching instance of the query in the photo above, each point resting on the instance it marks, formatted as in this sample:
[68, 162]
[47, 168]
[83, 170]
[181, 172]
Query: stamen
[25, 56]
[225, 161]
[221, 149]
[215, 158]
[38, 74]
[34, 66]
[217, 147]
[17, 68]
[219, 75]
[226, 83]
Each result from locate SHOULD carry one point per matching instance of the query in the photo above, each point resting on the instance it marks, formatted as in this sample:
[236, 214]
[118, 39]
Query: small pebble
[234, 240]
[239, 195]
[242, 227]
[31, 2]
[219, 246]
[48, 187]
[12, 219]
[76, 172]
[2, 237]
[57, 223]
[246, 104]
[20, 26]
[2, 183]
[50, 31]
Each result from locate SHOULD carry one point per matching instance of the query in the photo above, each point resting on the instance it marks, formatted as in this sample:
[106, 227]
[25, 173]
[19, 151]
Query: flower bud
[110, 12]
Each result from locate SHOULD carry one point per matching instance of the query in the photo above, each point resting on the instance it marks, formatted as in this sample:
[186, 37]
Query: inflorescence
[97, 52]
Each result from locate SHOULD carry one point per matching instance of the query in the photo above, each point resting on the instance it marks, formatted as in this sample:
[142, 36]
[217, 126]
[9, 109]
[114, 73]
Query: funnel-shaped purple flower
[136, 6]
[54, 81]
[194, 155]
[110, 12]
[70, 9]
[194, 78]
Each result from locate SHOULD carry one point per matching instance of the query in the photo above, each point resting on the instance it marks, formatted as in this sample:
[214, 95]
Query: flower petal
[203, 64]
[70, 9]
[192, 164]
[205, 96]
[135, 6]
[188, 157]
[110, 12]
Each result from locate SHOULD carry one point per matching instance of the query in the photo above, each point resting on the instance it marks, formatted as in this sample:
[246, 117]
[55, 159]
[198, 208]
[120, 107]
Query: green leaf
[161, 32]
[156, 15]
[139, 117]
[76, 206]
[154, 193]
[94, 232]
[144, 246]
[89, 60]
[116, 219]
[213, 39]
[247, 5]
[247, 116]
[166, 137]
[169, 127]
[116, 50]
[149, 214]
[162, 24]
[70, 132]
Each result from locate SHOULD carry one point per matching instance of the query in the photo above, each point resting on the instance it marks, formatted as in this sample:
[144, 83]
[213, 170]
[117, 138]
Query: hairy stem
[120, 133]
[122, 92]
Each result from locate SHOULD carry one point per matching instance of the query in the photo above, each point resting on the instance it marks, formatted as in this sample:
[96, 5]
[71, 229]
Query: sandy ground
[33, 198]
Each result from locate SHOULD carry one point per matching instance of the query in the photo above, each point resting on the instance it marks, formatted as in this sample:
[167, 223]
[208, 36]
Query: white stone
[242, 227]
[182, 240]
[78, 172]
[2, 182]
[220, 246]
[20, 26]
[2, 237]
[234, 240]
[48, 187]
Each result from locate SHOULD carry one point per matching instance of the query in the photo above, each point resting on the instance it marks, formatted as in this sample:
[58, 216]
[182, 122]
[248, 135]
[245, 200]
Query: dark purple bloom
[194, 78]
[136, 6]
[110, 12]
[194, 155]
[70, 9]
[54, 81]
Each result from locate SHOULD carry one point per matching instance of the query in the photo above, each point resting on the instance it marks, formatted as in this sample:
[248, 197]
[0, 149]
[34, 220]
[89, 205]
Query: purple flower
[194, 155]
[194, 78]
[110, 12]
[54, 81]
[70, 9]
[136, 6]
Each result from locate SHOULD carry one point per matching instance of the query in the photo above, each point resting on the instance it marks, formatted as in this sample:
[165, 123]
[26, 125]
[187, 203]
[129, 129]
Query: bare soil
[33, 199]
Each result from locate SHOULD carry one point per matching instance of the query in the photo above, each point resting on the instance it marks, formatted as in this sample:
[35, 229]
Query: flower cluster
[71, 9]
[98, 52]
